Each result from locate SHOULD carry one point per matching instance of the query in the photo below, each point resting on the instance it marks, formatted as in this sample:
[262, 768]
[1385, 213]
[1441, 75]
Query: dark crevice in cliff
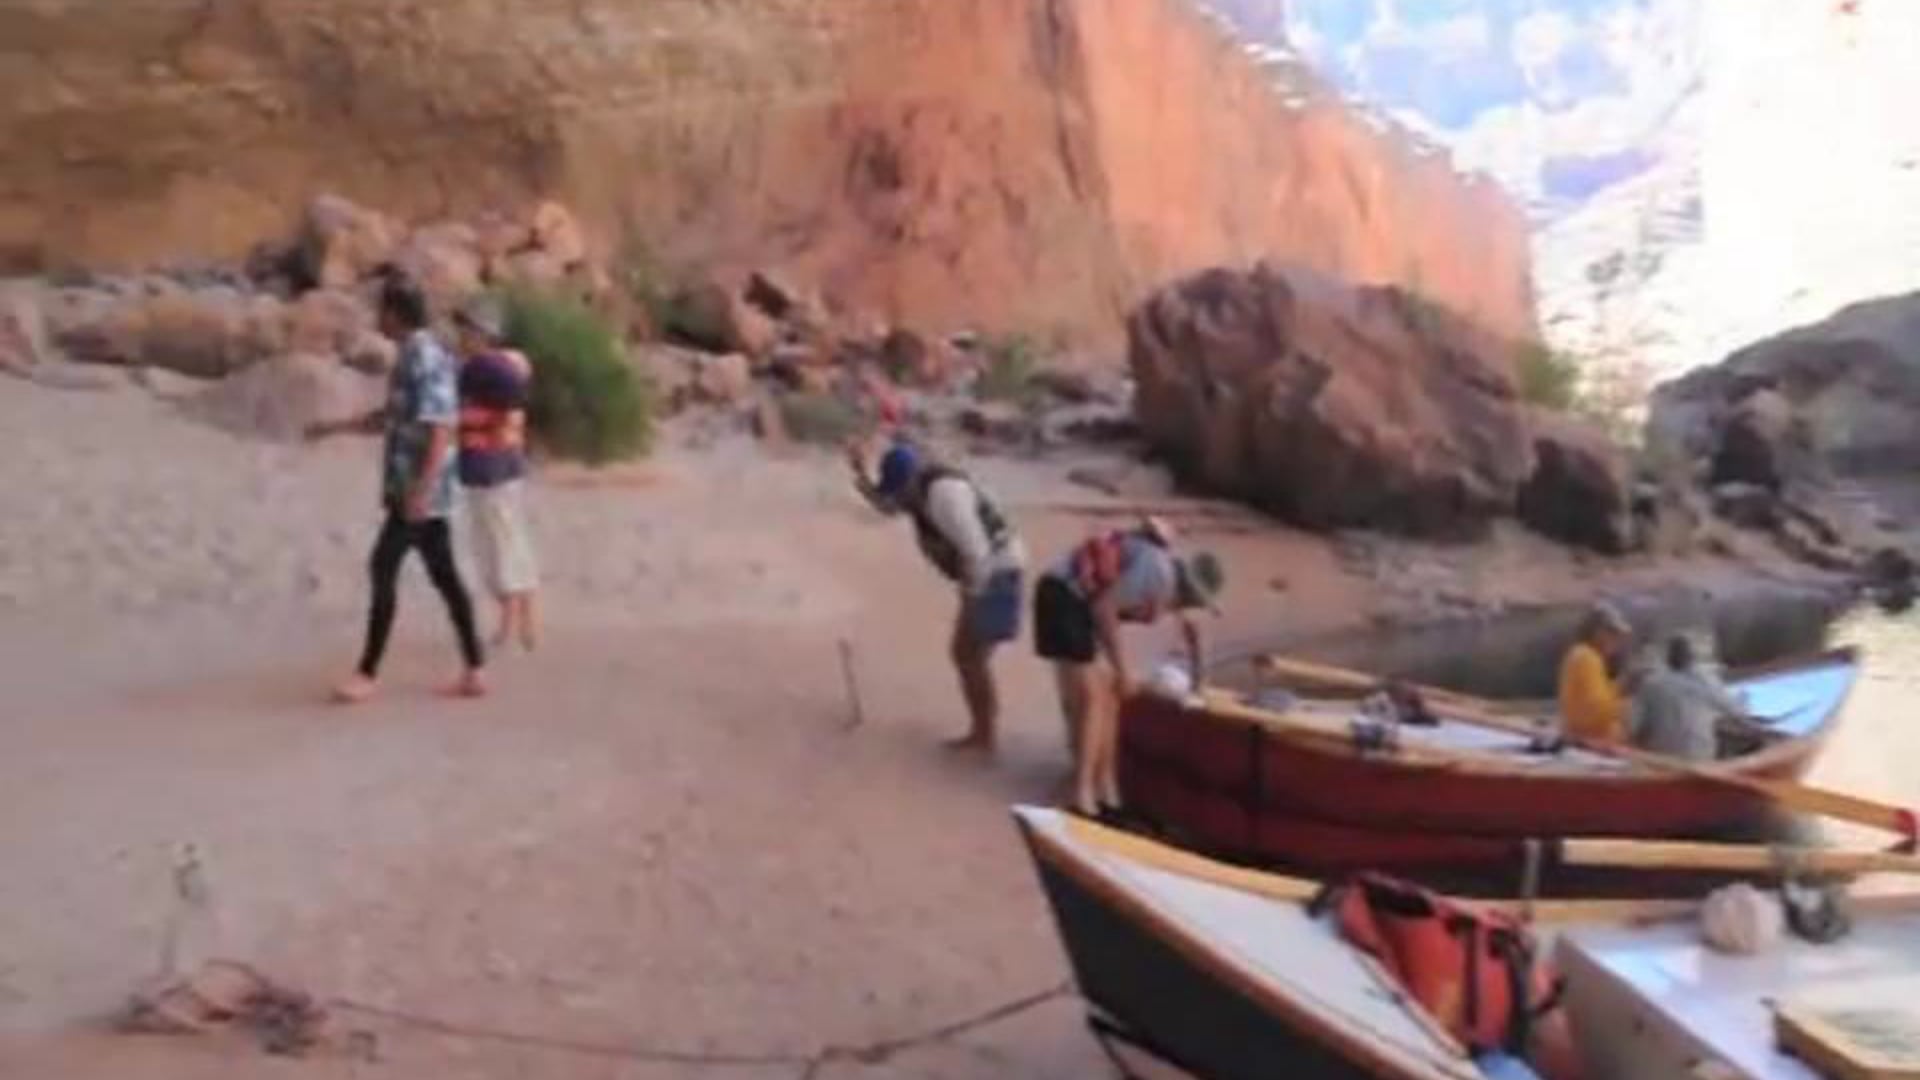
[1062, 72]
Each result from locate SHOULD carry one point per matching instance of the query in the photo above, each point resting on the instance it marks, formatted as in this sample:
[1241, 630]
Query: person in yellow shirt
[1592, 705]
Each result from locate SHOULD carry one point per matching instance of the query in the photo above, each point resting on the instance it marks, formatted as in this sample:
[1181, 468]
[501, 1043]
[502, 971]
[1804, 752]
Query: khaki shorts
[501, 542]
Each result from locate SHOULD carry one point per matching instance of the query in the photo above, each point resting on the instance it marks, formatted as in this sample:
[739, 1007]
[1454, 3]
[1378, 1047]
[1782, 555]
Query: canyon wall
[1003, 163]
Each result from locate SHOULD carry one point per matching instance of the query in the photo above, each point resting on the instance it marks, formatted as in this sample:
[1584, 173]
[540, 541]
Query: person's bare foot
[354, 691]
[470, 685]
[971, 744]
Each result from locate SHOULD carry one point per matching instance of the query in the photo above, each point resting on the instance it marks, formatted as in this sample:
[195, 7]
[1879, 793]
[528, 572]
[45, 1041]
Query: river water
[1876, 752]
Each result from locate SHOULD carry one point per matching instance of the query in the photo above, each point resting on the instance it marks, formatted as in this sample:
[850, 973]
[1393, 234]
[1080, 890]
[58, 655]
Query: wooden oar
[1329, 678]
[1160, 856]
[1735, 858]
[1800, 797]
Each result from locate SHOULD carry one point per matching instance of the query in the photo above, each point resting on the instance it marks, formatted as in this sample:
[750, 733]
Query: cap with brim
[1603, 615]
[1200, 579]
[897, 468]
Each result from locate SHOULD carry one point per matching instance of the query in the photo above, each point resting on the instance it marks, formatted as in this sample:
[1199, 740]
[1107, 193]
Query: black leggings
[435, 540]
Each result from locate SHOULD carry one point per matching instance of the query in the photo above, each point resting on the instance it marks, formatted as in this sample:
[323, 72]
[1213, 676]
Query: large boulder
[205, 333]
[328, 320]
[710, 316]
[1761, 442]
[342, 241]
[447, 262]
[1331, 405]
[1581, 490]
[280, 400]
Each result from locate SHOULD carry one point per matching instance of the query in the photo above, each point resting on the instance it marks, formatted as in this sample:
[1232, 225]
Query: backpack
[1474, 970]
[1100, 560]
[934, 544]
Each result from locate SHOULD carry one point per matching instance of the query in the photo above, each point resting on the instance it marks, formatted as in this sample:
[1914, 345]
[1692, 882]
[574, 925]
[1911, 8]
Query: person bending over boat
[1592, 705]
[969, 541]
[1079, 605]
[1677, 709]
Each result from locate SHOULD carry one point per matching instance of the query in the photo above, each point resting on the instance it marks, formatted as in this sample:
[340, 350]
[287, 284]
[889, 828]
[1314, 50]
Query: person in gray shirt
[1677, 709]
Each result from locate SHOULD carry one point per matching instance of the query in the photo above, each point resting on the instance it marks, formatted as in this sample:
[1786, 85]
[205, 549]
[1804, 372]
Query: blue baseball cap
[897, 469]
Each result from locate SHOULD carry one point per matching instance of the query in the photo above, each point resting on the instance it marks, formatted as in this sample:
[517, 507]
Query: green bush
[1548, 378]
[588, 403]
[1008, 376]
[820, 418]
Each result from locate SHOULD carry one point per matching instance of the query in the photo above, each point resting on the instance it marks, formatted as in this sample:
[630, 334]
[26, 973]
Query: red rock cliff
[998, 162]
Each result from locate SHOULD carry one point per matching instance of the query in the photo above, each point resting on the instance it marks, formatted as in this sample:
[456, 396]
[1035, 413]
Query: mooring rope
[808, 1064]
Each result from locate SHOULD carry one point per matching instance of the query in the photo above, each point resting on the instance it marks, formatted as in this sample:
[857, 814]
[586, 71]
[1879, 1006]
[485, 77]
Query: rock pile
[287, 339]
[1790, 438]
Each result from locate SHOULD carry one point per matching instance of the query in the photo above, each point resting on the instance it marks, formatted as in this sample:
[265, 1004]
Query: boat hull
[1171, 1004]
[1233, 786]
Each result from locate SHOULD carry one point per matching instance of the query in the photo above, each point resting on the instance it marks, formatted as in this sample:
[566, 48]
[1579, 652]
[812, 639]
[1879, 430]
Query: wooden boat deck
[1647, 999]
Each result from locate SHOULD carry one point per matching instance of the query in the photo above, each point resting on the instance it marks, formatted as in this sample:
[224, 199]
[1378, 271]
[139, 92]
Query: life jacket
[494, 426]
[934, 544]
[1100, 562]
[1472, 969]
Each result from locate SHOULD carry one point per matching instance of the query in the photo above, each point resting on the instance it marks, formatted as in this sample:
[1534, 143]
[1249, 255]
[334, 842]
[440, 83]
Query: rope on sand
[810, 1065]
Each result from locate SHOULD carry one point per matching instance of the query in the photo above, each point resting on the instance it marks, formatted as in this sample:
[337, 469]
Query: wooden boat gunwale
[1778, 754]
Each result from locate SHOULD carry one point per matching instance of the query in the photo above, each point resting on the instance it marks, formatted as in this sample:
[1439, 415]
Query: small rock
[1890, 566]
[795, 356]
[772, 294]
[497, 236]
[557, 233]
[23, 331]
[1093, 423]
[1108, 480]
[708, 316]
[672, 371]
[533, 269]
[1071, 385]
[724, 380]
[998, 421]
[167, 385]
[1750, 506]
[274, 266]
[768, 423]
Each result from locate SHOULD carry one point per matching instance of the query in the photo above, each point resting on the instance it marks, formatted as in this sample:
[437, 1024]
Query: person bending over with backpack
[1079, 605]
[970, 543]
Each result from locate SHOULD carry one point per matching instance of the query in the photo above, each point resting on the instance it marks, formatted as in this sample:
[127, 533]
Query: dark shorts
[993, 614]
[1063, 630]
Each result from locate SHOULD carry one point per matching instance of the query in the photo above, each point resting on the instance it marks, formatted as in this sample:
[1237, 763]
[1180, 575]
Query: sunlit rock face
[1700, 173]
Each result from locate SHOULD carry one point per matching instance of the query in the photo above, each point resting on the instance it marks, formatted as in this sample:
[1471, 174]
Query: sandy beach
[658, 832]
